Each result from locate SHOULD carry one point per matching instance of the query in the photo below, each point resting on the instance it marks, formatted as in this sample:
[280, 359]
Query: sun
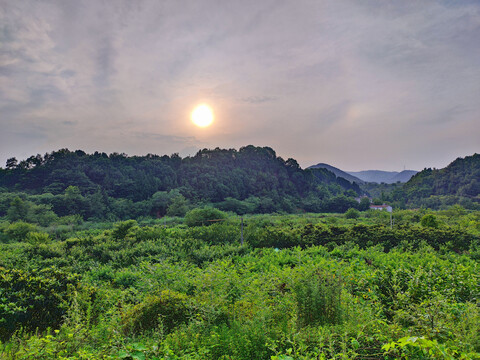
[202, 116]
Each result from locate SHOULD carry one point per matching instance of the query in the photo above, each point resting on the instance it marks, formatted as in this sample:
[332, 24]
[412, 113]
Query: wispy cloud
[318, 81]
[258, 99]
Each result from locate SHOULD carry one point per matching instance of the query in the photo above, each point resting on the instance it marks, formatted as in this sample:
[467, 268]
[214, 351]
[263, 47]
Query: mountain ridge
[379, 176]
[337, 172]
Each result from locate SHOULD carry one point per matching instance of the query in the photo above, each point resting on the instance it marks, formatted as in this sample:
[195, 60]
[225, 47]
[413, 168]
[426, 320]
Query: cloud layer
[359, 85]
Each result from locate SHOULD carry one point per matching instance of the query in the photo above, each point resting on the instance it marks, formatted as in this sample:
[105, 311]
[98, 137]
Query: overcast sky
[355, 84]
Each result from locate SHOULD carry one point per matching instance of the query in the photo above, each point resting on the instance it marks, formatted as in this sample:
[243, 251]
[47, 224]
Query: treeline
[116, 186]
[458, 183]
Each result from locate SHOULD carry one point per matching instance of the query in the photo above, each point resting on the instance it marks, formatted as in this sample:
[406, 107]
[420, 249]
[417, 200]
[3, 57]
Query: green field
[311, 286]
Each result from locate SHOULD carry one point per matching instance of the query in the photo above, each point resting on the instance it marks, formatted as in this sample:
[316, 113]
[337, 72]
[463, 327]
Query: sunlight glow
[202, 116]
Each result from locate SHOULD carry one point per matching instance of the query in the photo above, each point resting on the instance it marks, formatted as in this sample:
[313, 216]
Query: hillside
[460, 178]
[387, 177]
[339, 173]
[404, 176]
[251, 179]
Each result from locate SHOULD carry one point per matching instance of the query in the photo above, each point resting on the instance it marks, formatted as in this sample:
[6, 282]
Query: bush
[36, 238]
[18, 231]
[125, 279]
[352, 214]
[33, 300]
[318, 298]
[278, 237]
[204, 216]
[169, 309]
[121, 229]
[429, 220]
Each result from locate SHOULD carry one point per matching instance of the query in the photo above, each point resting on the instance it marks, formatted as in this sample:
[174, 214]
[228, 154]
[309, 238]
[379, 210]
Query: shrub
[204, 216]
[352, 214]
[277, 237]
[18, 231]
[33, 300]
[121, 229]
[125, 279]
[169, 309]
[318, 298]
[36, 238]
[429, 220]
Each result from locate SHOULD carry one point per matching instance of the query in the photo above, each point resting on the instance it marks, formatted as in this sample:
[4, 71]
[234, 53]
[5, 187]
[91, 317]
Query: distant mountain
[379, 176]
[338, 172]
[404, 176]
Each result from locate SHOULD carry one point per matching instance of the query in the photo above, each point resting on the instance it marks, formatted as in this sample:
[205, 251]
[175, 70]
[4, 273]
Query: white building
[382, 207]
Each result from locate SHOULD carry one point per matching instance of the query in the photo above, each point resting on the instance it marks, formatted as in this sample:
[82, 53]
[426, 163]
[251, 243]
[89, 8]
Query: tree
[18, 209]
[178, 206]
[11, 163]
[364, 204]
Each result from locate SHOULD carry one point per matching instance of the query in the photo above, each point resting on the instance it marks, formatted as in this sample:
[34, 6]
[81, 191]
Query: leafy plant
[318, 298]
[204, 216]
[167, 310]
[33, 299]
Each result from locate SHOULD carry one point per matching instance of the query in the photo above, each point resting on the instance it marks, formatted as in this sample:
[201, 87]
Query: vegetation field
[311, 286]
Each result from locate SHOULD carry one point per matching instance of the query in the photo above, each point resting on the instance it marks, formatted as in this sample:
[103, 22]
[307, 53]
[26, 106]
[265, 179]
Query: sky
[356, 84]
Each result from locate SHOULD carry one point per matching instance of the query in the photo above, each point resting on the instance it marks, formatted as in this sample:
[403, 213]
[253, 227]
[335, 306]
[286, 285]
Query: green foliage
[18, 210]
[118, 187]
[352, 214]
[168, 310]
[414, 347]
[22, 210]
[364, 204]
[178, 206]
[237, 206]
[318, 298]
[204, 216]
[429, 220]
[456, 184]
[70, 220]
[123, 279]
[121, 229]
[18, 231]
[33, 299]
[36, 238]
[301, 287]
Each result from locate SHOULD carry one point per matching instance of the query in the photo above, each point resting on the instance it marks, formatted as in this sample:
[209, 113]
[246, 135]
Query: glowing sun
[202, 116]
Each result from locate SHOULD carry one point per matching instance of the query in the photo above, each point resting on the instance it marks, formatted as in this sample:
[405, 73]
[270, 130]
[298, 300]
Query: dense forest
[45, 189]
[458, 183]
[459, 179]
[117, 186]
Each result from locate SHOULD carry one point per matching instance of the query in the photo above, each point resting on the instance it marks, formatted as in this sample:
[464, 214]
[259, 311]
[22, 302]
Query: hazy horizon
[357, 85]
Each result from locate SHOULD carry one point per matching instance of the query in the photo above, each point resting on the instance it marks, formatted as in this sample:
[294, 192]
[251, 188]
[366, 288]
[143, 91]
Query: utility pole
[241, 230]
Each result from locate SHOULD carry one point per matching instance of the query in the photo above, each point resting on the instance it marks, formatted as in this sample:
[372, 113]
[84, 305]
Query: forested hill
[251, 173]
[339, 173]
[459, 179]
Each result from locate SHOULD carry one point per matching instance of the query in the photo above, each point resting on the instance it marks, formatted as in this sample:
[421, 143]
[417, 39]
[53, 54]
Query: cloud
[258, 99]
[318, 81]
[167, 138]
